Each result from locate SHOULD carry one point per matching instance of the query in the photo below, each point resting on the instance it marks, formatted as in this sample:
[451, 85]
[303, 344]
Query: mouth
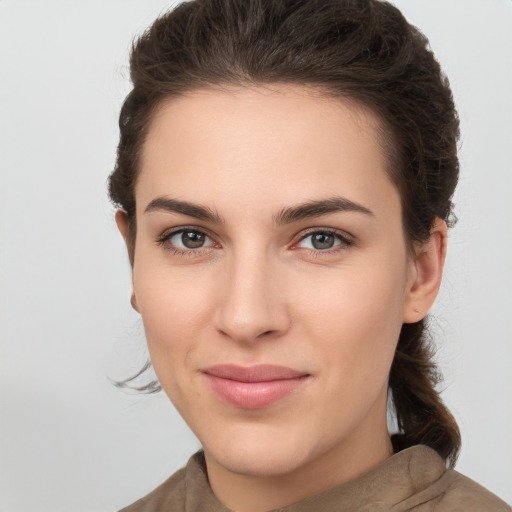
[253, 387]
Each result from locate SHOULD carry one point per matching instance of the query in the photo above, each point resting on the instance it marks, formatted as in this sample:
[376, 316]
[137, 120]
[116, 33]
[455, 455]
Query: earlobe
[133, 302]
[122, 222]
[427, 274]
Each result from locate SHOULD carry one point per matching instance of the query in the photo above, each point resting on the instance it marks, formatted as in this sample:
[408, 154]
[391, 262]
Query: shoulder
[188, 489]
[465, 495]
[429, 487]
[168, 497]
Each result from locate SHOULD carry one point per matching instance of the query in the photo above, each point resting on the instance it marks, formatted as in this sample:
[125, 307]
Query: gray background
[69, 440]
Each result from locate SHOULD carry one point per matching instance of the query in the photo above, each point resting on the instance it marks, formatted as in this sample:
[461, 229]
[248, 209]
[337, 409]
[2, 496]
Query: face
[271, 273]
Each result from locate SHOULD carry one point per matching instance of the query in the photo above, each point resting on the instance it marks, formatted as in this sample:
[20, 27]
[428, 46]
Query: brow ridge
[287, 215]
[183, 207]
[317, 208]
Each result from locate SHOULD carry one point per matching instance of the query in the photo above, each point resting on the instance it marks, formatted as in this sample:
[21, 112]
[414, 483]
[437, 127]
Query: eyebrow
[309, 209]
[312, 209]
[184, 207]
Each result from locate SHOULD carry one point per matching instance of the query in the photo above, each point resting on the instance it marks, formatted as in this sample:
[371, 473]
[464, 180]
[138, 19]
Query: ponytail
[421, 415]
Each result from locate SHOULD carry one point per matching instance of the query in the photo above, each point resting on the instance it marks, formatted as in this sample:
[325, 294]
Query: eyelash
[345, 241]
[167, 236]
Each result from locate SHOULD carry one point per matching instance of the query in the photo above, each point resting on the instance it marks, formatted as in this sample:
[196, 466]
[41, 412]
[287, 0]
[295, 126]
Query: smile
[253, 387]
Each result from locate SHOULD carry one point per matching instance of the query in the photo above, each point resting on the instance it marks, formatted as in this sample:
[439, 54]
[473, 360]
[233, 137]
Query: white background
[70, 441]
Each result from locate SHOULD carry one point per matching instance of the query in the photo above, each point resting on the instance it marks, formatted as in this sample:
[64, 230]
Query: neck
[348, 460]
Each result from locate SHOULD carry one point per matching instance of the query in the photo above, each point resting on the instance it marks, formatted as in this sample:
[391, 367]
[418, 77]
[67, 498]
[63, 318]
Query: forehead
[259, 140]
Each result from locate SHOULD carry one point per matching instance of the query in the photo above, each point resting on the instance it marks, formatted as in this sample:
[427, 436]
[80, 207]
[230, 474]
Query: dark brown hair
[364, 50]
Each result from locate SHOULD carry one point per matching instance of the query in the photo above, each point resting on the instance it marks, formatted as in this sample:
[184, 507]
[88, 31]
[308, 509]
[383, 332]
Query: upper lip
[256, 373]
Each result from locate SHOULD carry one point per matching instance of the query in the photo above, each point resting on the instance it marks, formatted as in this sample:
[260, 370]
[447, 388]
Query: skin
[258, 291]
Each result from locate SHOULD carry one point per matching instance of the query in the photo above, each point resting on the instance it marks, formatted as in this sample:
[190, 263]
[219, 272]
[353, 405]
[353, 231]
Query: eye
[323, 240]
[189, 239]
[186, 239]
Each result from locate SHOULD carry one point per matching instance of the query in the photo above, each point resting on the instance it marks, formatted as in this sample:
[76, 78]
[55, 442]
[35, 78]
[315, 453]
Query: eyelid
[166, 236]
[345, 238]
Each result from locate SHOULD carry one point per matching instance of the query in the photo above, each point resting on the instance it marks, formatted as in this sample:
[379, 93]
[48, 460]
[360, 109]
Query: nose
[251, 301]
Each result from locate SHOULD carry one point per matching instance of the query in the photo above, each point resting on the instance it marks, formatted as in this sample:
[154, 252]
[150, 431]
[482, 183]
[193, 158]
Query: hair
[361, 50]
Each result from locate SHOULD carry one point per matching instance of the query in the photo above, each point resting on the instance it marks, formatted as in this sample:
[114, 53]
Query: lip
[253, 387]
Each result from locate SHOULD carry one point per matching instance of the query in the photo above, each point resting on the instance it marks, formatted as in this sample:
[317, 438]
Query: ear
[123, 226]
[122, 222]
[426, 273]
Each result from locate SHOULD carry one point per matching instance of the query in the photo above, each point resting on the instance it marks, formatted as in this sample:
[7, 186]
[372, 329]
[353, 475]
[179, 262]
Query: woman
[284, 181]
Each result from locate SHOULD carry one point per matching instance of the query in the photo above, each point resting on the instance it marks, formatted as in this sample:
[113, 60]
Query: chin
[259, 463]
[261, 457]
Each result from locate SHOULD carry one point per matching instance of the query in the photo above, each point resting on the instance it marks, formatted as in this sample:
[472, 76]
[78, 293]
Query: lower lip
[253, 395]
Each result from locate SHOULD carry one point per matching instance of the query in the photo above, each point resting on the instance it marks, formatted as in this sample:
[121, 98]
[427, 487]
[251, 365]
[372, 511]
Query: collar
[399, 477]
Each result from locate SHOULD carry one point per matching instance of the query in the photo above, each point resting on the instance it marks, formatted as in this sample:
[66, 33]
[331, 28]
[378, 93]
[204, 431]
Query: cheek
[356, 317]
[174, 306]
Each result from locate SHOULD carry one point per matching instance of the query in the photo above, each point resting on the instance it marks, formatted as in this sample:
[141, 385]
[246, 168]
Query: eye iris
[192, 240]
[322, 241]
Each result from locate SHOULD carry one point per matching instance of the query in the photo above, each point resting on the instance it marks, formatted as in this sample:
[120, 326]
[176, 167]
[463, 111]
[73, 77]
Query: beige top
[413, 479]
